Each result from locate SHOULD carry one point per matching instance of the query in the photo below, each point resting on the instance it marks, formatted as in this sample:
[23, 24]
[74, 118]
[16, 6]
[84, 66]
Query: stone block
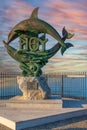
[33, 88]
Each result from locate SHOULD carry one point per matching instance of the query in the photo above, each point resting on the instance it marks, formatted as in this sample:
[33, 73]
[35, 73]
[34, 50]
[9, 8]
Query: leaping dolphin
[36, 25]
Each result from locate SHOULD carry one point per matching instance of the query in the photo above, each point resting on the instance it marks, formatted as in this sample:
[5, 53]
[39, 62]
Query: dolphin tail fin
[66, 34]
[64, 48]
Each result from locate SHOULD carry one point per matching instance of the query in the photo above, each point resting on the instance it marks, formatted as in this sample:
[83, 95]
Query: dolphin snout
[13, 35]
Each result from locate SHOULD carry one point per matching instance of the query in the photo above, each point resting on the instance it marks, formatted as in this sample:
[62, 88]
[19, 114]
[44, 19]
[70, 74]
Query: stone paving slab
[21, 118]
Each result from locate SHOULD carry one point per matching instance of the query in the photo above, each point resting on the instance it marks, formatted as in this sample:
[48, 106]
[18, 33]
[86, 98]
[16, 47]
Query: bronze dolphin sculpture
[36, 25]
[48, 53]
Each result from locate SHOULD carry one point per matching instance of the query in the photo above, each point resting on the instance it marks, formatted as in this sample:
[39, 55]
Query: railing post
[62, 86]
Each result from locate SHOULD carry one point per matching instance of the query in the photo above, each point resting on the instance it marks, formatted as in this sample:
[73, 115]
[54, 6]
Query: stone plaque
[32, 85]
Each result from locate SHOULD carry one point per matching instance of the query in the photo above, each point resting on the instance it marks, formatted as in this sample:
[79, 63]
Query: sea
[67, 86]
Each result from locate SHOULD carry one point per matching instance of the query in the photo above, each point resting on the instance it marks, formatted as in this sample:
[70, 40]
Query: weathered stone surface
[33, 88]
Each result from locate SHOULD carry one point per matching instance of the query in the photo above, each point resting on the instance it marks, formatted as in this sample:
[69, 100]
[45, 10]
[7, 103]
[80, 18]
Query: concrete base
[54, 102]
[17, 119]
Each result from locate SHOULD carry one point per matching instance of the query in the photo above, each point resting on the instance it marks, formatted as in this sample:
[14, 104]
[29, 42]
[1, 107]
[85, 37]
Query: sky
[59, 13]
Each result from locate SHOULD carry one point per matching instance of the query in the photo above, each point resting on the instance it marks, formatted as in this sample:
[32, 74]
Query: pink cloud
[17, 10]
[12, 13]
[70, 14]
[66, 65]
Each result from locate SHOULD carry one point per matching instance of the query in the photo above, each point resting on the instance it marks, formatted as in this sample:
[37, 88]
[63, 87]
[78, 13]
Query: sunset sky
[59, 13]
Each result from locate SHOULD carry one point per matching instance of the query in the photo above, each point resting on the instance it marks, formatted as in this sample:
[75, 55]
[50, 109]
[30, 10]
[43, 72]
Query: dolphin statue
[35, 25]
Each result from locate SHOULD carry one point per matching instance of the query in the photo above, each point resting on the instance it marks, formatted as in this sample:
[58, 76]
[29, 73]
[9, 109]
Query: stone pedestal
[34, 88]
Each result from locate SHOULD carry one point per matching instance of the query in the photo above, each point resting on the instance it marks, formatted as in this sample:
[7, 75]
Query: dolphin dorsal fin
[34, 13]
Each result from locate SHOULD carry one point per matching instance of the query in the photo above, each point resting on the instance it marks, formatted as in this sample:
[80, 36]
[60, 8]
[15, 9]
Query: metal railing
[73, 85]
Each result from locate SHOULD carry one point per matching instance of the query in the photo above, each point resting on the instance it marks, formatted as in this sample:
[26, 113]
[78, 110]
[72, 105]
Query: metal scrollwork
[34, 67]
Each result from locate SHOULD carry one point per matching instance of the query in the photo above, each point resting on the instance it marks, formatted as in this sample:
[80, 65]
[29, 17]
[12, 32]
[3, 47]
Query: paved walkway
[79, 123]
